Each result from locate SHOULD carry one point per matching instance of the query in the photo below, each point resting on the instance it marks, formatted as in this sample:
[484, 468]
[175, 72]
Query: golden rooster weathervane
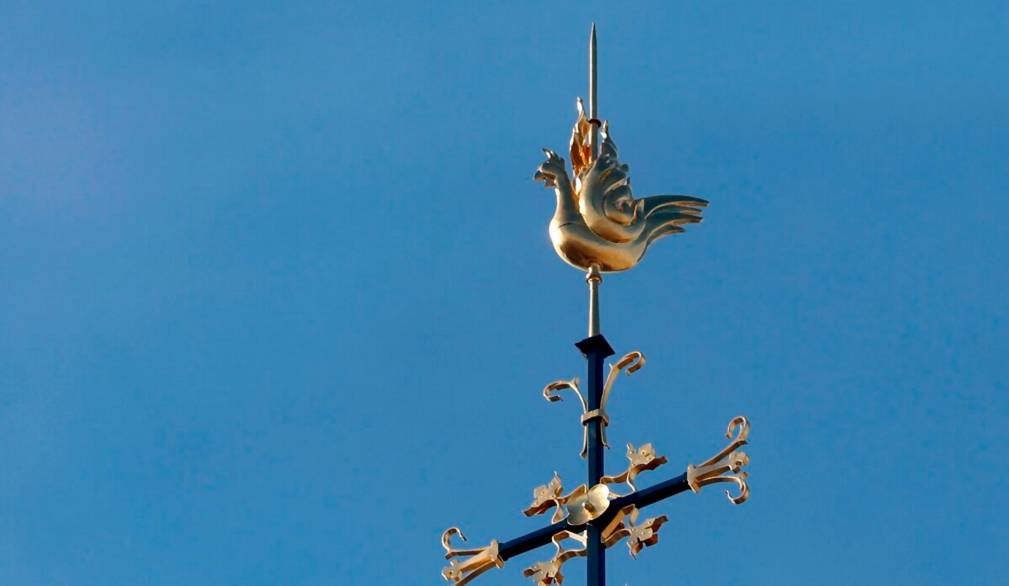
[598, 226]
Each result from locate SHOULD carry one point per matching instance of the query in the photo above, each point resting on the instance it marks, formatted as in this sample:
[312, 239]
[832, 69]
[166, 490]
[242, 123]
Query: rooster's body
[597, 221]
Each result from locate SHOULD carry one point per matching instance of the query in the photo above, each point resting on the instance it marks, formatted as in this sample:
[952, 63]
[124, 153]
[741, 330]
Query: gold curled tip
[549, 391]
[721, 467]
[739, 481]
[740, 427]
[480, 559]
[550, 394]
[446, 542]
[631, 363]
[742, 423]
[641, 459]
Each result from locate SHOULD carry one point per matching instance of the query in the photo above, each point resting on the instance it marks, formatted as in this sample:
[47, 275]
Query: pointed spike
[593, 96]
[593, 82]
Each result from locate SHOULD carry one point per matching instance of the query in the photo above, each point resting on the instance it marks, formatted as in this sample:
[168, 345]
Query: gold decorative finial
[630, 363]
[716, 468]
[597, 221]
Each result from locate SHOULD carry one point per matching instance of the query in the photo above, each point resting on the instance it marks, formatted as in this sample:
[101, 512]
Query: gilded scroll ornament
[641, 459]
[551, 495]
[717, 468]
[550, 394]
[478, 560]
[639, 536]
[549, 572]
[629, 364]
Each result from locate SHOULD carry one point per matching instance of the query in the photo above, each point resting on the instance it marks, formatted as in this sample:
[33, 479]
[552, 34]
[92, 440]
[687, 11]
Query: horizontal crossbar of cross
[639, 499]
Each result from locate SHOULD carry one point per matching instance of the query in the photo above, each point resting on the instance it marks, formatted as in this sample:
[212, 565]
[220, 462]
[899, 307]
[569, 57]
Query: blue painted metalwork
[596, 350]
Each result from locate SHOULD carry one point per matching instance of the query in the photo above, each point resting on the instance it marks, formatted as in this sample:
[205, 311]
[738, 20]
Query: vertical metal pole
[593, 278]
[596, 566]
[596, 349]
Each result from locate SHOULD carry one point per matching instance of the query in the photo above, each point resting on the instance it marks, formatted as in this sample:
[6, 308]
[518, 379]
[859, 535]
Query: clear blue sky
[277, 300]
